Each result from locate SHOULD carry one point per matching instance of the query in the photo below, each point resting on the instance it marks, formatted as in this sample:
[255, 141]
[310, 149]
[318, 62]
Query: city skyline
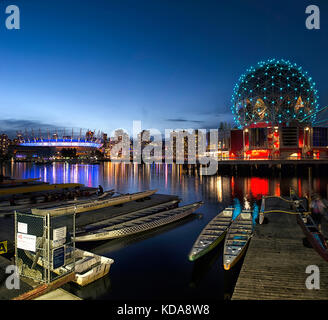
[169, 65]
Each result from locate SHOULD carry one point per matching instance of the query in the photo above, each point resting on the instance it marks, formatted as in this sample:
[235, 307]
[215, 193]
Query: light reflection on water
[171, 179]
[155, 264]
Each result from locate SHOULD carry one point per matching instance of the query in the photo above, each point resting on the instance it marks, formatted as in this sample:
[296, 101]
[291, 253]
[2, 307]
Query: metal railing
[44, 246]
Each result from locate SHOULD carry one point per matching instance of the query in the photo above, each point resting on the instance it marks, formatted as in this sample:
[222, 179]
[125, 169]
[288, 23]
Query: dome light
[292, 81]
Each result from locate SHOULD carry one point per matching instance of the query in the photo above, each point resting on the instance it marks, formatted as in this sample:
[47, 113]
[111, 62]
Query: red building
[295, 141]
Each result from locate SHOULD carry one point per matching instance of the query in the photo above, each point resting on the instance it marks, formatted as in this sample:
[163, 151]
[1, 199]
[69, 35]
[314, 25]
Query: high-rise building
[4, 144]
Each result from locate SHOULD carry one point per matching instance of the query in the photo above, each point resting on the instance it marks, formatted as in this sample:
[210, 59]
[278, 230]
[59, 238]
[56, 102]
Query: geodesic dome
[274, 91]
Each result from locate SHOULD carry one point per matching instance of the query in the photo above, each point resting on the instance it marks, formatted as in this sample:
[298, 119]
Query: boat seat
[209, 236]
[237, 240]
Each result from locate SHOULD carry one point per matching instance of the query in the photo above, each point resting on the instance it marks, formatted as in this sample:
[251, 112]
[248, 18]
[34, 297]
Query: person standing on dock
[318, 211]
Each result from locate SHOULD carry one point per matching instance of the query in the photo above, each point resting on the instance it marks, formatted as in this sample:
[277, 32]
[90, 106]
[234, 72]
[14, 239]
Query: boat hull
[85, 271]
[37, 188]
[138, 227]
[94, 205]
[228, 266]
[213, 233]
[237, 239]
[94, 274]
[316, 239]
[209, 248]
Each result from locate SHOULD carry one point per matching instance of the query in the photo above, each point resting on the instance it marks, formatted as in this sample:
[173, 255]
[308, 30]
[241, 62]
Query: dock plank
[275, 263]
[58, 294]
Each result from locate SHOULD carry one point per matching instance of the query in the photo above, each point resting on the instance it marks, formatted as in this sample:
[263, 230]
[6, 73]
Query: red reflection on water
[299, 187]
[277, 190]
[232, 186]
[259, 187]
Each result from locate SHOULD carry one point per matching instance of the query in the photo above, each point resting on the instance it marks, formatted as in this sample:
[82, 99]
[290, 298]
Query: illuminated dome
[275, 92]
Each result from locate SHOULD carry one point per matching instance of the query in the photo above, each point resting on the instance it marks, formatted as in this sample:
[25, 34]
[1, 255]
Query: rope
[279, 197]
[282, 211]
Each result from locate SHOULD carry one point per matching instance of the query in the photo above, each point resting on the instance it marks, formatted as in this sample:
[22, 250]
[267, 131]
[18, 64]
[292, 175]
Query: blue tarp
[255, 213]
[237, 209]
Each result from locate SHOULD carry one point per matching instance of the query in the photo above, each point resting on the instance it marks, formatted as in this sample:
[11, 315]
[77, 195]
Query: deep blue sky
[171, 64]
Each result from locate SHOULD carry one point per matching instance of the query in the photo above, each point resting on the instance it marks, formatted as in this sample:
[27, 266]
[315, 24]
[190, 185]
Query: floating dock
[274, 267]
[58, 294]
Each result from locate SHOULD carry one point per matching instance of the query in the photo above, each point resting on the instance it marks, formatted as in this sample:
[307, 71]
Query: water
[154, 264]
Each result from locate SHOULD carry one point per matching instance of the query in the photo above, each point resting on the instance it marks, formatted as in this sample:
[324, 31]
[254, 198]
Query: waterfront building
[182, 146]
[120, 146]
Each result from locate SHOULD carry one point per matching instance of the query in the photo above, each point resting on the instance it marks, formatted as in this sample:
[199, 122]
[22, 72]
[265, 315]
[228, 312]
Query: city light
[61, 143]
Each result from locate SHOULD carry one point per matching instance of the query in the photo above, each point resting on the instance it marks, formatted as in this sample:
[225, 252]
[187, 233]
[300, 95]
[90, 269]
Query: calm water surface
[154, 264]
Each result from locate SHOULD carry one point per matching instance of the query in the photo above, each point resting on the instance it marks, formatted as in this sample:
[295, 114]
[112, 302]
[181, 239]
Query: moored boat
[309, 227]
[88, 267]
[8, 183]
[313, 234]
[39, 200]
[138, 224]
[214, 232]
[37, 188]
[89, 205]
[127, 217]
[238, 237]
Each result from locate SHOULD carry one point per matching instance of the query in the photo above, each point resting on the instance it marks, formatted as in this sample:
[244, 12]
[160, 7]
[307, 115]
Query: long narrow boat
[87, 205]
[238, 236]
[11, 183]
[137, 225]
[46, 195]
[214, 232]
[309, 227]
[37, 188]
[14, 181]
[313, 234]
[5, 186]
[123, 218]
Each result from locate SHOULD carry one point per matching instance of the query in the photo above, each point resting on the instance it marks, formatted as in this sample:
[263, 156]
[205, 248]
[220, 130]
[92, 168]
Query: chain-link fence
[44, 246]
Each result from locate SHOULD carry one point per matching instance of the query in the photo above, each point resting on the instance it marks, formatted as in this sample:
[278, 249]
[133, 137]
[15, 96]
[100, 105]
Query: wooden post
[310, 185]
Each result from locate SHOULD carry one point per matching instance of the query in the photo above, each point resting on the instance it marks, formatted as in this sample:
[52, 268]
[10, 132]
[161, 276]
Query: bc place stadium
[30, 146]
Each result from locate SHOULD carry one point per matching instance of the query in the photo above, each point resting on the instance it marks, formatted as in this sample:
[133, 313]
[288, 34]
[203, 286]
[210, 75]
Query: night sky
[171, 64]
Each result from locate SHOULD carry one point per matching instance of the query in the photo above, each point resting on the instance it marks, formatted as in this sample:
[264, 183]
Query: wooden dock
[275, 264]
[58, 294]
